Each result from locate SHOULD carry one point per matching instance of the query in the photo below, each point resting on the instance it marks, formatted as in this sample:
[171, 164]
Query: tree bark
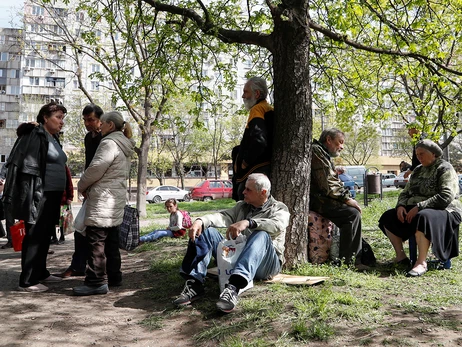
[142, 152]
[291, 161]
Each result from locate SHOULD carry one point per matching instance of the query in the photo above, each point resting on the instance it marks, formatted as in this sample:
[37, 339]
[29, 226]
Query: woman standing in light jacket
[104, 186]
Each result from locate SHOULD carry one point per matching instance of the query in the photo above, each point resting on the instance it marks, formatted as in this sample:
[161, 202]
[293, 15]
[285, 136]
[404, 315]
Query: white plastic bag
[79, 220]
[228, 252]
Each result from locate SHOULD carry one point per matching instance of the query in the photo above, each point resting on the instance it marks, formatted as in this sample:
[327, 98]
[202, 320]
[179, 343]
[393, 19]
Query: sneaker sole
[188, 302]
[25, 290]
[225, 311]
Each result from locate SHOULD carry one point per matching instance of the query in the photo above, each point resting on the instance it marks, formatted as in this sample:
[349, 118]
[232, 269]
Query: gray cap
[430, 146]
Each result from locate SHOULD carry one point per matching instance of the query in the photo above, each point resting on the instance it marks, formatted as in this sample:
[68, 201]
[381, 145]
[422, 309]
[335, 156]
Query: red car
[212, 189]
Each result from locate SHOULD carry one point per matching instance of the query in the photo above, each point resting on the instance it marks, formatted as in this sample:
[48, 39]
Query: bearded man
[253, 155]
[331, 199]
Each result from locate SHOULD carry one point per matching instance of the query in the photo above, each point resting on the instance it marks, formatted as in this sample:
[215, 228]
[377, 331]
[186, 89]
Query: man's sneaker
[228, 299]
[193, 290]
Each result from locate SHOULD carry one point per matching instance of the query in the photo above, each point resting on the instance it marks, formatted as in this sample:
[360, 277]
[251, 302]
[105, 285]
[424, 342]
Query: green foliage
[361, 144]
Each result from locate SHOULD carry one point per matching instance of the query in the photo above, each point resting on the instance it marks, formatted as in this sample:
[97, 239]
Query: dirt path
[57, 318]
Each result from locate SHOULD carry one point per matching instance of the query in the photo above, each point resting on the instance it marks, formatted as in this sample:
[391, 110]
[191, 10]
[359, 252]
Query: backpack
[187, 223]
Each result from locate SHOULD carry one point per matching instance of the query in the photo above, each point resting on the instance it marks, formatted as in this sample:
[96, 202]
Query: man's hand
[195, 230]
[353, 203]
[234, 230]
[401, 213]
[407, 173]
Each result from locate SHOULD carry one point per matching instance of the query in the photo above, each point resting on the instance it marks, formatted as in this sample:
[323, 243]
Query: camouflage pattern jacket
[325, 189]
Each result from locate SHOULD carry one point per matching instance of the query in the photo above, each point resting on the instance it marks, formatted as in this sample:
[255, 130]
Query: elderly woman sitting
[428, 207]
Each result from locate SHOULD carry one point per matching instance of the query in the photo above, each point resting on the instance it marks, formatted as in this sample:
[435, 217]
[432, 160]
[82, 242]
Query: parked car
[212, 189]
[388, 180]
[163, 193]
[400, 181]
[357, 172]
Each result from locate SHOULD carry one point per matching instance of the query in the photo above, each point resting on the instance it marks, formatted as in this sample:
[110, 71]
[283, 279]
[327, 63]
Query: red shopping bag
[18, 231]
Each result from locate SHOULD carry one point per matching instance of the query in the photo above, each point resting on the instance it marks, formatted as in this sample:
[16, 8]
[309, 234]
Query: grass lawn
[380, 307]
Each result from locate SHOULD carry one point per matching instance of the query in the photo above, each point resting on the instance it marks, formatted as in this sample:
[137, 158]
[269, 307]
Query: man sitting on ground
[262, 219]
[331, 199]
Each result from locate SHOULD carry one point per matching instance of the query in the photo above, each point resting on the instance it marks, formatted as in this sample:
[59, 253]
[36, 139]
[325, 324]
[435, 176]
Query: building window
[4, 56]
[95, 67]
[95, 85]
[38, 11]
[76, 84]
[79, 16]
[3, 158]
[2, 125]
[2, 106]
[34, 81]
[14, 73]
[15, 90]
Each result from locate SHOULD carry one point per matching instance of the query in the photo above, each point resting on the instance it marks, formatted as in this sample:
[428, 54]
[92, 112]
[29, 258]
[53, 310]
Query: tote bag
[228, 252]
[129, 230]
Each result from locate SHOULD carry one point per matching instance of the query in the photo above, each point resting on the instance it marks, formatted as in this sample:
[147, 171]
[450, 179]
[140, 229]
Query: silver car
[163, 193]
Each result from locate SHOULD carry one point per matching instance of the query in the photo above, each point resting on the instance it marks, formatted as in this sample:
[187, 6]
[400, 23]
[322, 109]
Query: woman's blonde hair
[119, 123]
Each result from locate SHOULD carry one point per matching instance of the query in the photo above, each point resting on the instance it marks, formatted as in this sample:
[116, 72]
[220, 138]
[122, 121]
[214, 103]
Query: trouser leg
[81, 253]
[212, 238]
[113, 260]
[36, 242]
[258, 259]
[95, 274]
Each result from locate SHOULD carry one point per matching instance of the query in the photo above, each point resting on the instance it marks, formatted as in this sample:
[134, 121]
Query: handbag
[228, 251]
[79, 221]
[129, 230]
[67, 220]
[18, 231]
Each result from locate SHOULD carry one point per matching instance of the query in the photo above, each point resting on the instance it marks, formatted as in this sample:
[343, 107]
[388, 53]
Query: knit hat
[430, 146]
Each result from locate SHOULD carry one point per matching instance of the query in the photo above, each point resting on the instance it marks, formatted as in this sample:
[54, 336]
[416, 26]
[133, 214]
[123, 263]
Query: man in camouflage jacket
[330, 198]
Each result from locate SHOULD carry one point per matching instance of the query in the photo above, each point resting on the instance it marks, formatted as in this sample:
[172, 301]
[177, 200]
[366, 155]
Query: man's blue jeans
[258, 259]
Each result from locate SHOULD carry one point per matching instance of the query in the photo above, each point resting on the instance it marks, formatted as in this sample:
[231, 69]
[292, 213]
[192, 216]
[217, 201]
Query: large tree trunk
[293, 129]
[142, 169]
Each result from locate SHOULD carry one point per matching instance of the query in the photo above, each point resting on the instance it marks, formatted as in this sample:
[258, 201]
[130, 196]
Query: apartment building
[10, 72]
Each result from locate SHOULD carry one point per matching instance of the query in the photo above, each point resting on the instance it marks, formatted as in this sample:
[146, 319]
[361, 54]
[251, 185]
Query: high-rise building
[10, 72]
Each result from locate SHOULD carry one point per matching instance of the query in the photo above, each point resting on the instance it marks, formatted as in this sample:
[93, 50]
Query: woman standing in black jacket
[35, 183]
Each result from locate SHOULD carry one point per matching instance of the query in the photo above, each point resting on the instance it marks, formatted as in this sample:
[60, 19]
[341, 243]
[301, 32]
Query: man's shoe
[193, 290]
[34, 289]
[228, 299]
[51, 279]
[90, 290]
[69, 273]
[7, 245]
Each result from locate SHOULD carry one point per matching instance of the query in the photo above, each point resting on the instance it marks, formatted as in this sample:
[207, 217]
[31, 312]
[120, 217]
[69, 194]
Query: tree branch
[208, 28]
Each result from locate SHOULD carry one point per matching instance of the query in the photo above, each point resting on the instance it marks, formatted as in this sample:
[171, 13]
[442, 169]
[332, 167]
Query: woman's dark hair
[48, 109]
[171, 201]
[90, 108]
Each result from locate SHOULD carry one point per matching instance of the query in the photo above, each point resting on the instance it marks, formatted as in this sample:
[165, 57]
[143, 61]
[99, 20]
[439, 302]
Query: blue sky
[9, 9]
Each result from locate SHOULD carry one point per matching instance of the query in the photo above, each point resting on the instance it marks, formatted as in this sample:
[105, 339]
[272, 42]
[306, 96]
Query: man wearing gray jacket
[262, 219]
